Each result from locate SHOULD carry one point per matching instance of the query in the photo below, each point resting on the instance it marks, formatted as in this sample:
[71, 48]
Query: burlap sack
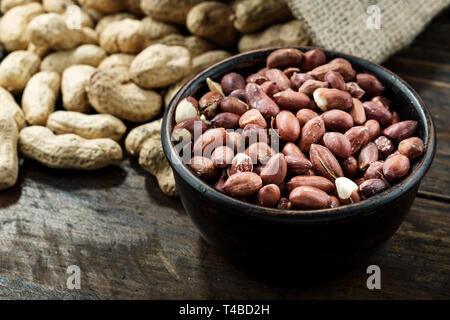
[370, 29]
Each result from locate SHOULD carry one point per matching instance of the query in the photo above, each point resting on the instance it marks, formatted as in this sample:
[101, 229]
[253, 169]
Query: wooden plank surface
[131, 241]
[425, 65]
[127, 249]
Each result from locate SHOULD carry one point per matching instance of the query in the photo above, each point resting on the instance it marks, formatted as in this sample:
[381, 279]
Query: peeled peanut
[384, 145]
[226, 120]
[370, 84]
[287, 125]
[335, 80]
[339, 65]
[338, 144]
[367, 155]
[337, 120]
[291, 100]
[209, 141]
[186, 109]
[204, 167]
[312, 132]
[358, 136]
[268, 196]
[233, 105]
[319, 182]
[304, 115]
[396, 167]
[222, 156]
[378, 112]
[375, 171]
[373, 127]
[357, 112]
[350, 167]
[243, 184]
[39, 97]
[307, 197]
[232, 81]
[401, 130]
[259, 152]
[324, 162]
[327, 99]
[371, 187]
[284, 58]
[312, 59]
[278, 77]
[411, 147]
[274, 171]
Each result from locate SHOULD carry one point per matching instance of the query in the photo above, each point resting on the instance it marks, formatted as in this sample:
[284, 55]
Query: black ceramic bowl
[345, 234]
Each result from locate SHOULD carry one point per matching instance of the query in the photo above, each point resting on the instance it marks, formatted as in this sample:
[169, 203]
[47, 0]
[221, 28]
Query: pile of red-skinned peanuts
[300, 133]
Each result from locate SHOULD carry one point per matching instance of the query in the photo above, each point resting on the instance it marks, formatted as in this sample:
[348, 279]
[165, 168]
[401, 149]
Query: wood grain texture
[131, 241]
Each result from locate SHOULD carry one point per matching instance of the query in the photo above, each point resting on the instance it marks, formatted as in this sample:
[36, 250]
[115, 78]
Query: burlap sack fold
[350, 26]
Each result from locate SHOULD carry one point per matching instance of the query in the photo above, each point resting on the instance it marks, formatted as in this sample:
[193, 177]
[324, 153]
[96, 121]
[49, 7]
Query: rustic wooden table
[131, 241]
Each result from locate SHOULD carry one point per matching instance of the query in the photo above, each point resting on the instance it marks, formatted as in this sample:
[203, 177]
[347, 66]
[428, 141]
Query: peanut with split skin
[336, 148]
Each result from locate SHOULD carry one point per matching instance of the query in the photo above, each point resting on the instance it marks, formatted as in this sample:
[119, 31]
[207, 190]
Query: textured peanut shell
[85, 54]
[199, 63]
[16, 70]
[73, 87]
[160, 65]
[112, 6]
[67, 151]
[155, 29]
[9, 4]
[137, 136]
[58, 6]
[9, 166]
[109, 92]
[40, 51]
[194, 44]
[168, 10]
[39, 97]
[108, 19]
[74, 14]
[253, 15]
[14, 23]
[88, 126]
[50, 30]
[127, 36]
[153, 160]
[8, 104]
[212, 20]
[291, 33]
[94, 14]
[117, 60]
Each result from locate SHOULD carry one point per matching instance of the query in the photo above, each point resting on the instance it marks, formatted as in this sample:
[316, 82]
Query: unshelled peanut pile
[75, 70]
[302, 133]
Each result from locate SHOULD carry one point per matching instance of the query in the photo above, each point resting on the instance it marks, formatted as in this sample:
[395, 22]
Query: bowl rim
[364, 207]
